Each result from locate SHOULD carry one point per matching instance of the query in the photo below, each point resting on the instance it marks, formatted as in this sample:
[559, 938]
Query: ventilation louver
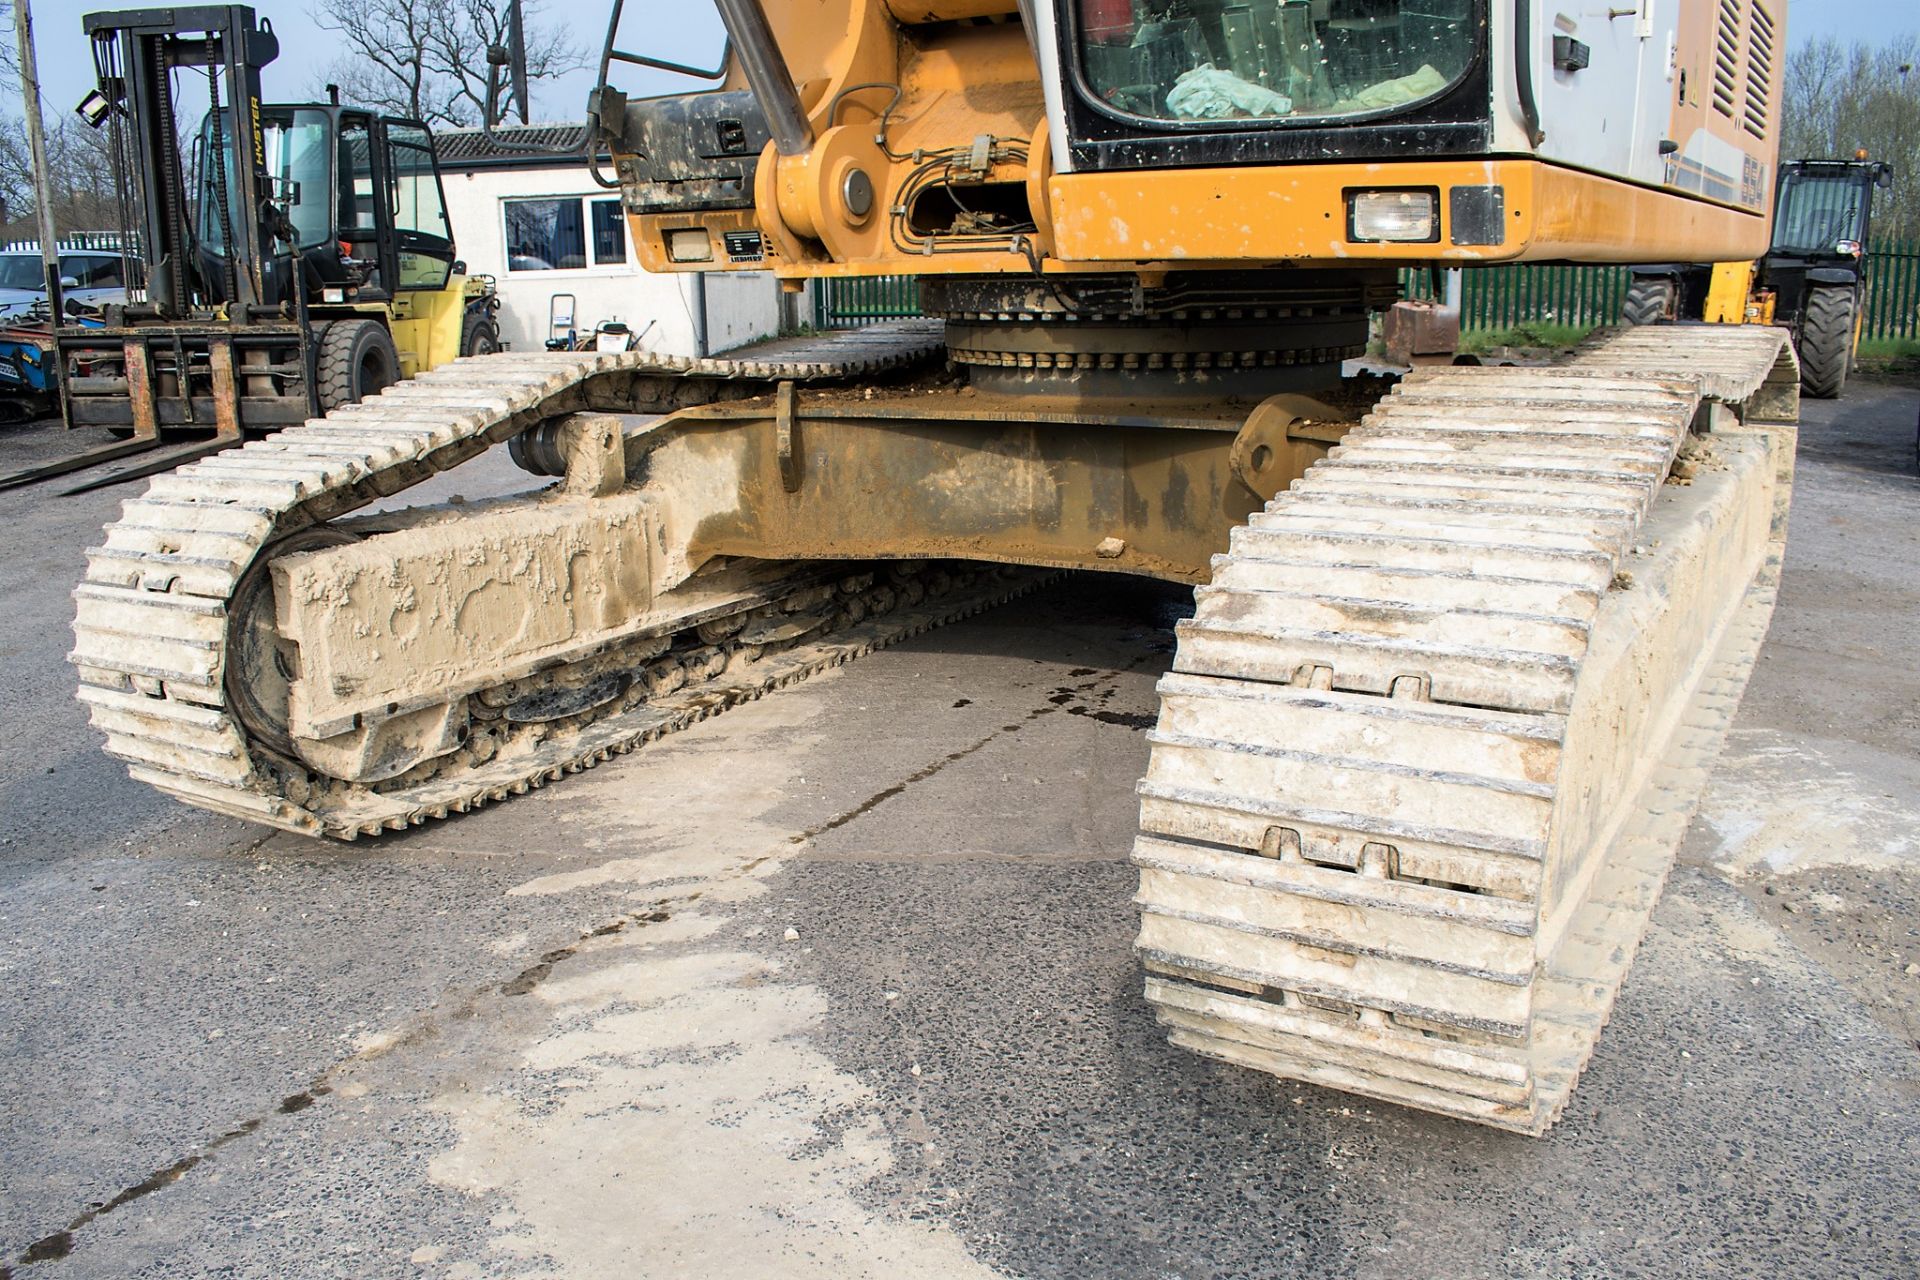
[1760, 57]
[1726, 58]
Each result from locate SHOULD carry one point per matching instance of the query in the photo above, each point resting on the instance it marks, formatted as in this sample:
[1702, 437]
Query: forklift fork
[146, 427]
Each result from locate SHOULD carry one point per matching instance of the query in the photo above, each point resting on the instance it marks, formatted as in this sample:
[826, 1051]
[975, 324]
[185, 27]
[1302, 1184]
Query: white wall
[740, 306]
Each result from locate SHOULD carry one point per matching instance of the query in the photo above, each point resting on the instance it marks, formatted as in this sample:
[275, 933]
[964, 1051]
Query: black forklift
[1812, 279]
[294, 257]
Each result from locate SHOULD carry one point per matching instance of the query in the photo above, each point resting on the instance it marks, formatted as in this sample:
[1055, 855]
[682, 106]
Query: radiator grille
[1726, 59]
[1760, 59]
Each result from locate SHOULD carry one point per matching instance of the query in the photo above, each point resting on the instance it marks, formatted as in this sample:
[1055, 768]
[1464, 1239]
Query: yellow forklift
[297, 259]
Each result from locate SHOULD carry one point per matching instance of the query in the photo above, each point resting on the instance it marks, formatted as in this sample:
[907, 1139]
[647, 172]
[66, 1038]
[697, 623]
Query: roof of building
[473, 149]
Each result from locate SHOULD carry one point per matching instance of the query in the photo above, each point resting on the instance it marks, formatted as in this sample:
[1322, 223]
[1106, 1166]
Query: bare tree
[16, 167]
[427, 58]
[16, 180]
[83, 179]
[1839, 99]
[9, 56]
[81, 159]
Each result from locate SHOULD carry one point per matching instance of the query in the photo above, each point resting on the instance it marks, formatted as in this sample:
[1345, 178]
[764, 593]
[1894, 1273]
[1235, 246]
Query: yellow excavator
[1462, 651]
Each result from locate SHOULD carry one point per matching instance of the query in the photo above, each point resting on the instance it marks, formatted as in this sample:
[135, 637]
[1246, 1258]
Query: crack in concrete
[1056, 700]
[533, 976]
[59, 1244]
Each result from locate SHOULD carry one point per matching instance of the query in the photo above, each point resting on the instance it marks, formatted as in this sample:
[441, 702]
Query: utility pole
[37, 144]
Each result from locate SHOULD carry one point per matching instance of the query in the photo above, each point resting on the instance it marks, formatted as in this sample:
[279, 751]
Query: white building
[542, 228]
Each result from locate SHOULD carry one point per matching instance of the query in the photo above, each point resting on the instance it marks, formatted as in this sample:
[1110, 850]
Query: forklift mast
[297, 257]
[137, 52]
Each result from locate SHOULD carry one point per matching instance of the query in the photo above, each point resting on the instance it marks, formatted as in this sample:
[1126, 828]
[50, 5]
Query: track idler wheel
[261, 666]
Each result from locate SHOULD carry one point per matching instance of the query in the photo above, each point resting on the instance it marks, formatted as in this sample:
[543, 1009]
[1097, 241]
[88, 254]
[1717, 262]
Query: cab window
[421, 231]
[356, 218]
[92, 271]
[1272, 61]
[297, 160]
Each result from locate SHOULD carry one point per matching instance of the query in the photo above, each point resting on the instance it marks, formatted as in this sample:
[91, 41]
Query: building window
[552, 235]
[609, 234]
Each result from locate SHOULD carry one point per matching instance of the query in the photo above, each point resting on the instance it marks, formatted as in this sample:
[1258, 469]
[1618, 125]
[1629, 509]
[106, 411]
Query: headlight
[1393, 215]
[1851, 248]
[689, 244]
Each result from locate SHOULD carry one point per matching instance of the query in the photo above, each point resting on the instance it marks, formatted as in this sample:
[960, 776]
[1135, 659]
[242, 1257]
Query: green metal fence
[1491, 297]
[863, 300]
[1502, 297]
[1893, 291]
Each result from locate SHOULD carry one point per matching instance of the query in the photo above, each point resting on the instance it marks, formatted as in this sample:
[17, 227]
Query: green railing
[862, 300]
[1502, 297]
[1491, 297]
[1893, 291]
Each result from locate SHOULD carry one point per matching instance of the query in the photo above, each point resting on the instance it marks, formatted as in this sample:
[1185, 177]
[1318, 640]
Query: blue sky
[66, 61]
[66, 67]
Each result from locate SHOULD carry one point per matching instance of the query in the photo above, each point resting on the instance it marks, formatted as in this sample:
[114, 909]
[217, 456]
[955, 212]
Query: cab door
[362, 225]
[421, 237]
[427, 303]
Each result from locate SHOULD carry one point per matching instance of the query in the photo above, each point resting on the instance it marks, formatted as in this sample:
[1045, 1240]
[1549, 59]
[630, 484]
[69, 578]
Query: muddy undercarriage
[1458, 657]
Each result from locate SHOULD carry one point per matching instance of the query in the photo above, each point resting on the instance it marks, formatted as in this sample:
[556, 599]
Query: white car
[92, 276]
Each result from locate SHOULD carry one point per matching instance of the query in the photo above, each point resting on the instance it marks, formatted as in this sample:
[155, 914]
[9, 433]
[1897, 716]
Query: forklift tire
[1651, 300]
[356, 360]
[479, 335]
[1826, 340]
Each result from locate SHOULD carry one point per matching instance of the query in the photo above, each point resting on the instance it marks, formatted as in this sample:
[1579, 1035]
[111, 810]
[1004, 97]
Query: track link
[1391, 841]
[153, 627]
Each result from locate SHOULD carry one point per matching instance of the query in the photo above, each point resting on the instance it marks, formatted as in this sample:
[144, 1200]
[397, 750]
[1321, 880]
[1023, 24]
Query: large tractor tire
[357, 360]
[1651, 300]
[1826, 340]
[479, 334]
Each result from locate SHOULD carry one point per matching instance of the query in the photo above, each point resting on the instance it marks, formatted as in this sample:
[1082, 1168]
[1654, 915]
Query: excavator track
[1444, 712]
[1423, 759]
[153, 623]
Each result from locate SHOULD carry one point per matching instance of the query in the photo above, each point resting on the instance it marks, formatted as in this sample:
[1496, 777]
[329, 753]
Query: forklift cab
[296, 256]
[1821, 209]
[361, 200]
[1821, 221]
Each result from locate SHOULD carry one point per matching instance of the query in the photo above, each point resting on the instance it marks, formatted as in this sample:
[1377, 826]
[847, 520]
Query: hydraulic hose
[1523, 69]
[766, 71]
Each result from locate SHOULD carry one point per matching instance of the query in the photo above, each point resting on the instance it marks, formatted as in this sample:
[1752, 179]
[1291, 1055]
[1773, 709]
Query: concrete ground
[839, 985]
